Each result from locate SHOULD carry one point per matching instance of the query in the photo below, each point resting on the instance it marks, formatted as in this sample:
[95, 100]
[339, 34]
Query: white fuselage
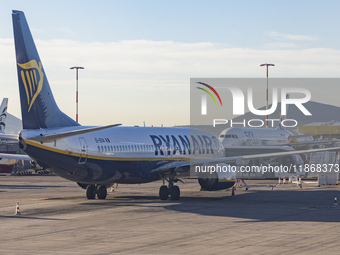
[253, 137]
[126, 154]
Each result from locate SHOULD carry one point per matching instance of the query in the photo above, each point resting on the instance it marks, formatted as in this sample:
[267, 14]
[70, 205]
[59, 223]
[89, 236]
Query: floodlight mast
[267, 90]
[77, 68]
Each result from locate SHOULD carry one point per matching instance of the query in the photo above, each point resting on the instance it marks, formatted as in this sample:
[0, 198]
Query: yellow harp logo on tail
[33, 81]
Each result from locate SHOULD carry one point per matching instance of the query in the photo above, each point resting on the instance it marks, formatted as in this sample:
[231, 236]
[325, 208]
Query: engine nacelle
[222, 176]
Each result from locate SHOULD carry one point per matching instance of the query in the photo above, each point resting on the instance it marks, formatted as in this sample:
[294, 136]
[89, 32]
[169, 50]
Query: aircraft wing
[313, 135]
[183, 166]
[312, 143]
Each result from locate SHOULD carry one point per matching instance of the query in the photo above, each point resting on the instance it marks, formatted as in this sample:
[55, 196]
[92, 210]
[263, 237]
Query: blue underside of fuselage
[97, 171]
[94, 171]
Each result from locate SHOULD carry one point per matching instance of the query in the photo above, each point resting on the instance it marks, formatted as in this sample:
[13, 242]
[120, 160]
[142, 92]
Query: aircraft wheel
[163, 192]
[175, 193]
[101, 192]
[91, 192]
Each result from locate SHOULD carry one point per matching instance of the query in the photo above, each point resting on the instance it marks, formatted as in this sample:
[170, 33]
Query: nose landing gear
[171, 190]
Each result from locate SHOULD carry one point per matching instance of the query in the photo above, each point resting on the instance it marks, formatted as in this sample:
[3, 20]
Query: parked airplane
[97, 157]
[9, 137]
[238, 136]
[247, 140]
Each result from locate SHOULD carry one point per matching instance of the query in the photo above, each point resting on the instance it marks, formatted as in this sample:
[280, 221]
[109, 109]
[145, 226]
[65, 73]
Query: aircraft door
[83, 150]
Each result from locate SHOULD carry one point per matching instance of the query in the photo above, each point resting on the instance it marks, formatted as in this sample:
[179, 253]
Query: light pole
[267, 91]
[77, 67]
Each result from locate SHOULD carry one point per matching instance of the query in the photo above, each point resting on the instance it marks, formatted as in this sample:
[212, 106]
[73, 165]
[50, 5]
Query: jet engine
[217, 177]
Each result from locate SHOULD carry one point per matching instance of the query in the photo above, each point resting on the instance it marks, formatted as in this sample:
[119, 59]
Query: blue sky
[139, 55]
[234, 23]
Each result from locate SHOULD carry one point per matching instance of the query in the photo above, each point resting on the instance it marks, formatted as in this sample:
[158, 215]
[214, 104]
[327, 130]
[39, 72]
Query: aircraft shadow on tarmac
[30, 217]
[270, 206]
[25, 186]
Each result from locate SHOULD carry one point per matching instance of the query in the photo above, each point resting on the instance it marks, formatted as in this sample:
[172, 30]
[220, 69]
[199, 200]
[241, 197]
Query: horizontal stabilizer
[15, 157]
[51, 138]
[9, 137]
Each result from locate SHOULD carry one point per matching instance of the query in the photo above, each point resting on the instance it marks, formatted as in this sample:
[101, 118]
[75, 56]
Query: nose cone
[227, 142]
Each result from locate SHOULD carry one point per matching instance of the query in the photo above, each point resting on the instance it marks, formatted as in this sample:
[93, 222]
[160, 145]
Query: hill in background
[320, 113]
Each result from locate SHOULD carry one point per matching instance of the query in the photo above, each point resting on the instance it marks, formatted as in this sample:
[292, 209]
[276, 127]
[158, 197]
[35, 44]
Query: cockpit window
[228, 136]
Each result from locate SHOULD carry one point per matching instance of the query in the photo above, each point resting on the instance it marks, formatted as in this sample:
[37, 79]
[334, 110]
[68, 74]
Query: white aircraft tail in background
[3, 114]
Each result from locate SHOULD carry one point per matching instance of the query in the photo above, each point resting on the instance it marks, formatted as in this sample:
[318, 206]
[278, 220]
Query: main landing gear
[93, 190]
[171, 190]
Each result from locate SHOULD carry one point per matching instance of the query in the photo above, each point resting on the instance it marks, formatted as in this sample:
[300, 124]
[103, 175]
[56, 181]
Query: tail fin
[38, 107]
[283, 117]
[3, 114]
[280, 123]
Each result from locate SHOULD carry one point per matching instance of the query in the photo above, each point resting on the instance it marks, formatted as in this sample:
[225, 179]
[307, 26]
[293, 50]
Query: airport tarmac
[56, 218]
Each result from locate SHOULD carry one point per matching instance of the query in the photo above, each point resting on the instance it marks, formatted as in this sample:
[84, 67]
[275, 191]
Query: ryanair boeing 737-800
[97, 157]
